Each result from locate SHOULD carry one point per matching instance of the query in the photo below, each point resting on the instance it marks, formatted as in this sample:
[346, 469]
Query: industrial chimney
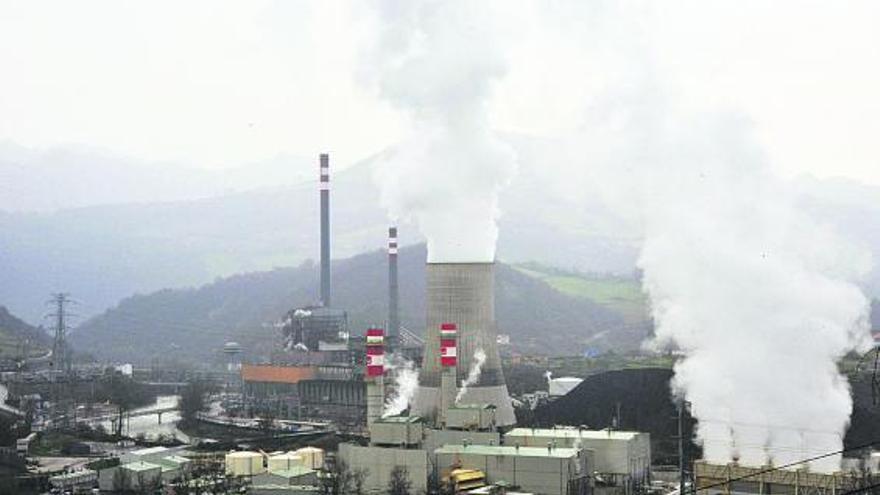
[393, 311]
[375, 361]
[463, 293]
[325, 229]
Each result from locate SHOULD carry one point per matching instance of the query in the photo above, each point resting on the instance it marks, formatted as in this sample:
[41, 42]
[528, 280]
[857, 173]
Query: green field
[623, 295]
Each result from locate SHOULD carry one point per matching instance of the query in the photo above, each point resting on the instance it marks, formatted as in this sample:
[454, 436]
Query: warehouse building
[547, 470]
[305, 391]
[622, 458]
[377, 463]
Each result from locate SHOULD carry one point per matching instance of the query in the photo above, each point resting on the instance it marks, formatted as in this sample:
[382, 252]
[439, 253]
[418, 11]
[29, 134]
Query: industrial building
[733, 479]
[308, 391]
[621, 458]
[544, 470]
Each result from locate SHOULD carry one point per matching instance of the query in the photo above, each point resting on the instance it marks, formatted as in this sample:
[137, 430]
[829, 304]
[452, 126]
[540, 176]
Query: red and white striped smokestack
[448, 345]
[324, 187]
[375, 347]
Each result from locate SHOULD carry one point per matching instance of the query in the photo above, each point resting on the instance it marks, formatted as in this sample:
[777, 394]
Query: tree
[194, 399]
[122, 394]
[399, 482]
[340, 480]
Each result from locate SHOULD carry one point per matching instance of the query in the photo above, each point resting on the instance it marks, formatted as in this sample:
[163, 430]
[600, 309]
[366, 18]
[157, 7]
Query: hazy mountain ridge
[16, 335]
[104, 253]
[196, 322]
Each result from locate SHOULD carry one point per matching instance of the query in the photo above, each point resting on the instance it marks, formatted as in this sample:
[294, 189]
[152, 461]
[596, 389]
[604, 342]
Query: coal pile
[641, 395]
[645, 402]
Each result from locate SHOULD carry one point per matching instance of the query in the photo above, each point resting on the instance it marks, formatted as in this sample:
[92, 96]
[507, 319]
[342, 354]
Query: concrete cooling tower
[463, 294]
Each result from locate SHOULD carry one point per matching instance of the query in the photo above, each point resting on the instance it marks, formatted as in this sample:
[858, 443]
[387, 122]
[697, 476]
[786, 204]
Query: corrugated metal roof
[401, 419]
[504, 450]
[573, 433]
[277, 374]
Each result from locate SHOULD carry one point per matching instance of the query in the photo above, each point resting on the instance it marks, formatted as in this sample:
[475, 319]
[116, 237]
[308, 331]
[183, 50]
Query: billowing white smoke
[473, 374]
[406, 381]
[760, 299]
[437, 61]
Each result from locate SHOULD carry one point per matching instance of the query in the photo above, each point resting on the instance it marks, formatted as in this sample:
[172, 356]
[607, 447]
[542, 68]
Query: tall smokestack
[325, 229]
[463, 293]
[375, 347]
[393, 311]
[448, 363]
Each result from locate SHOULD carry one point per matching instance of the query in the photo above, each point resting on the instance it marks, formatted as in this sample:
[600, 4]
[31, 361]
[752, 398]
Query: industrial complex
[456, 431]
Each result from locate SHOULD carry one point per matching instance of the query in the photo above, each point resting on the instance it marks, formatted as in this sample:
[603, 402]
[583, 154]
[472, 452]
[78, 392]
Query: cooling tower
[463, 294]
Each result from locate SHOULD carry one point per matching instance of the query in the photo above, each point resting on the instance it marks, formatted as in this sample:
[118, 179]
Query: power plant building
[621, 458]
[544, 470]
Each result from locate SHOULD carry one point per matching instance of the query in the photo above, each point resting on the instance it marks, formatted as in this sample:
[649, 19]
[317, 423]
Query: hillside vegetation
[17, 337]
[623, 295]
[194, 323]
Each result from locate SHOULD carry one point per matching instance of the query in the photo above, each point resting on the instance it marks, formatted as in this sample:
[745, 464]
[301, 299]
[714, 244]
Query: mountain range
[141, 231]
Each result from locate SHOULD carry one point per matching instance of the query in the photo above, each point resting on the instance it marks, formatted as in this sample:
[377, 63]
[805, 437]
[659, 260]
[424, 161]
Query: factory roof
[573, 433]
[173, 461]
[243, 454]
[506, 450]
[473, 406]
[401, 419]
[276, 374]
[149, 451]
[141, 466]
[605, 434]
[292, 472]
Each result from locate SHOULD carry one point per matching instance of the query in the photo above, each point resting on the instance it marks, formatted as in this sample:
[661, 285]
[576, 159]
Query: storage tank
[285, 461]
[313, 457]
[244, 463]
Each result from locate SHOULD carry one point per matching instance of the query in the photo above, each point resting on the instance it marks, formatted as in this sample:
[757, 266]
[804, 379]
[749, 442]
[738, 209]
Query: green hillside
[17, 337]
[619, 294]
[195, 323]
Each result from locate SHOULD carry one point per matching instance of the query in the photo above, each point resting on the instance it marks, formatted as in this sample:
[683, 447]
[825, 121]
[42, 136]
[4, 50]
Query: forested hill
[194, 323]
[17, 336]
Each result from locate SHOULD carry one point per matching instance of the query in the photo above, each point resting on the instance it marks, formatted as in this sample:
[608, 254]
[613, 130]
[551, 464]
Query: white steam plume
[473, 374]
[406, 381]
[437, 61]
[761, 299]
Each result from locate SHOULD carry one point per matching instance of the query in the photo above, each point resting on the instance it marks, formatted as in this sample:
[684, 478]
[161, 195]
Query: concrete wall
[378, 462]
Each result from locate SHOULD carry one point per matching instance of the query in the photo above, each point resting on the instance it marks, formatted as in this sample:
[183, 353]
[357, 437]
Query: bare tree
[399, 482]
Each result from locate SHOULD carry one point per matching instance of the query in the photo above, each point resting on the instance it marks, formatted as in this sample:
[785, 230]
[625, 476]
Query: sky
[221, 83]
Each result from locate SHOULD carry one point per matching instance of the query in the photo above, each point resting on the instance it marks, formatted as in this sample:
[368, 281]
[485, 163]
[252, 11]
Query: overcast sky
[218, 84]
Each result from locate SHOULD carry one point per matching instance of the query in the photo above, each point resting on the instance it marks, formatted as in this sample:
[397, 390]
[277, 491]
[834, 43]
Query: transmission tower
[60, 356]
